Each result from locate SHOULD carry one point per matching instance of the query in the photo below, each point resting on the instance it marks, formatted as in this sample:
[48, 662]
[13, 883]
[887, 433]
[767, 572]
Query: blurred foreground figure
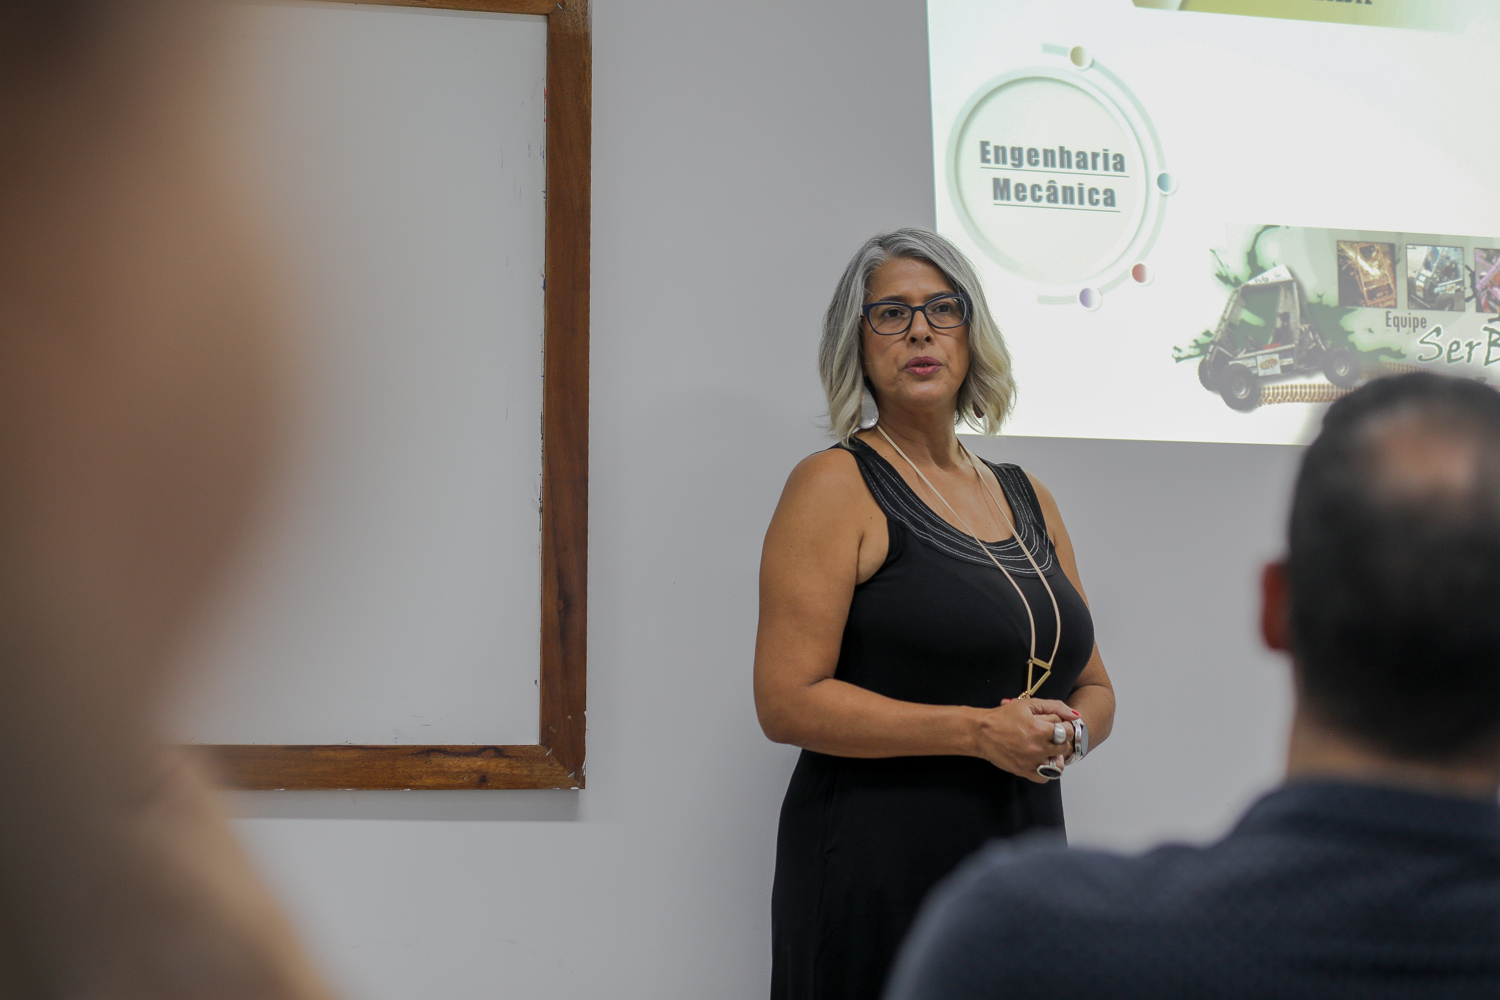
[137, 412]
[1375, 870]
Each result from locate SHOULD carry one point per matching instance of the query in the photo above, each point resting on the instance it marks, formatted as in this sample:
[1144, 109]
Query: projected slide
[1198, 225]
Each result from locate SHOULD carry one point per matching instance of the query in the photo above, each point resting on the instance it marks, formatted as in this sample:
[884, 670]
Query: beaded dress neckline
[896, 497]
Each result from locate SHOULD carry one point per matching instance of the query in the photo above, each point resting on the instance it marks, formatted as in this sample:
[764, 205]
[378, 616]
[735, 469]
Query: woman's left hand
[1051, 710]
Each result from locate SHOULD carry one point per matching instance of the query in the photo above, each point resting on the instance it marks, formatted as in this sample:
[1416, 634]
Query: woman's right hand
[1017, 735]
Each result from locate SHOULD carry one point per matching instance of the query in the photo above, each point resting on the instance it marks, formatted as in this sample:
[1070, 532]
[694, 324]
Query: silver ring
[1050, 770]
[1059, 733]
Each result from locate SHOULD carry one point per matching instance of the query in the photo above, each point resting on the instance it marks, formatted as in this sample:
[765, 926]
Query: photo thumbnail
[1367, 275]
[1434, 277]
[1487, 280]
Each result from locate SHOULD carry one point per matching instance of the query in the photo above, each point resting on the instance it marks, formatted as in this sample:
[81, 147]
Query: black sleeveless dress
[862, 841]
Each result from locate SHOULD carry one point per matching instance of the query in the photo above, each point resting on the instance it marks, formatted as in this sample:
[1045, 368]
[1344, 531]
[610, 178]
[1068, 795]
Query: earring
[869, 413]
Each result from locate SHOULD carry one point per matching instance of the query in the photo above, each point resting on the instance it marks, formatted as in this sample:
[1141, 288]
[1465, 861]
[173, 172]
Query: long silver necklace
[1032, 662]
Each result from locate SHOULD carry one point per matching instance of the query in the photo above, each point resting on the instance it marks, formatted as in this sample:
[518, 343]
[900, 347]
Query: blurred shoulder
[1011, 904]
[1007, 872]
[1010, 892]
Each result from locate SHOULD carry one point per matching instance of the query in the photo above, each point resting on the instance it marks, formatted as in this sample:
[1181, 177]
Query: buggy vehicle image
[1439, 282]
[1266, 333]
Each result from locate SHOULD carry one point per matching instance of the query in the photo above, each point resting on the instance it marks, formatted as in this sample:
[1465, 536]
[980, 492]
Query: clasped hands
[1016, 736]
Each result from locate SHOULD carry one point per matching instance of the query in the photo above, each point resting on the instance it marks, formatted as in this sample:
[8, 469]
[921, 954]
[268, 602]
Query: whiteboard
[397, 158]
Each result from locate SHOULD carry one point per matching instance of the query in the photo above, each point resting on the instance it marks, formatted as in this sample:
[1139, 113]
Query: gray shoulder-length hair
[988, 391]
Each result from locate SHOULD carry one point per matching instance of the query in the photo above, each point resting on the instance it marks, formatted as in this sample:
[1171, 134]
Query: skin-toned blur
[139, 402]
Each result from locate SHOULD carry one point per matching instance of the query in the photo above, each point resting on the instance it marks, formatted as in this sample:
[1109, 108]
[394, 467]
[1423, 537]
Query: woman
[911, 598]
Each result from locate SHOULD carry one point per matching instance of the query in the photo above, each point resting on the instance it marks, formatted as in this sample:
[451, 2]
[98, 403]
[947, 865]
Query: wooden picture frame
[557, 759]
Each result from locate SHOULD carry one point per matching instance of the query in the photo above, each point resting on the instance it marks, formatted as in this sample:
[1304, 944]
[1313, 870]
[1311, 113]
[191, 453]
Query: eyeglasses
[945, 312]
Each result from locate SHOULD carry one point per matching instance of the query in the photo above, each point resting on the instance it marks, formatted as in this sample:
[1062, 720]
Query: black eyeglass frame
[960, 296]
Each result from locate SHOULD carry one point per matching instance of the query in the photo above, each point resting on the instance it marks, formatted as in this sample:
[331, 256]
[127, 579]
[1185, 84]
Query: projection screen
[1199, 225]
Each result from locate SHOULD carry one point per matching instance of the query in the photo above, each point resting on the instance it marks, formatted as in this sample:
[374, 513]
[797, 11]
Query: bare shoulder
[827, 514]
[825, 496]
[825, 476]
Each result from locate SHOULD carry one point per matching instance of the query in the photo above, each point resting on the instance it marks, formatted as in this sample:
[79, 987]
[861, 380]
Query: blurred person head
[1388, 596]
[138, 402]
[137, 389]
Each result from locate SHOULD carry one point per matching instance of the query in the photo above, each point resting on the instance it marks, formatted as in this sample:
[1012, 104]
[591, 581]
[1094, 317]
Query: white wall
[742, 151]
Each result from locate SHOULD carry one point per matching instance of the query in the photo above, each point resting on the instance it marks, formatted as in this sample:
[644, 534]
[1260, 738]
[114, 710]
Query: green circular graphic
[1055, 174]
